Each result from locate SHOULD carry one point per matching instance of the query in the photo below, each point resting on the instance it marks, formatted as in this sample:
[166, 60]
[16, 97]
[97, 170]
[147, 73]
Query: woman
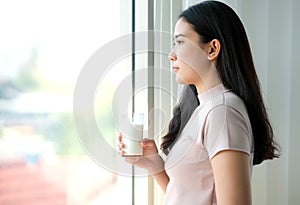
[220, 128]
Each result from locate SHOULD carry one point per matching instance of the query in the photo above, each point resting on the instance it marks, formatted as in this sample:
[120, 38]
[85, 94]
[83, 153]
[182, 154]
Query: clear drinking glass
[132, 139]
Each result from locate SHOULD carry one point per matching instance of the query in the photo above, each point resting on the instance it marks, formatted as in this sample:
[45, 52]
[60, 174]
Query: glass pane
[44, 46]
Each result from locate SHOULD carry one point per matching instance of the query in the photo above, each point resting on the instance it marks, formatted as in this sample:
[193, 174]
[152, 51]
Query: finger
[120, 136]
[121, 146]
[147, 143]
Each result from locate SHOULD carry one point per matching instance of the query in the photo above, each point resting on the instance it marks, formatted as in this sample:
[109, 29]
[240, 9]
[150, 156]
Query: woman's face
[189, 56]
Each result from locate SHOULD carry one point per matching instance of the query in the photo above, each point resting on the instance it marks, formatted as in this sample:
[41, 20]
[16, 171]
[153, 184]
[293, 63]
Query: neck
[209, 81]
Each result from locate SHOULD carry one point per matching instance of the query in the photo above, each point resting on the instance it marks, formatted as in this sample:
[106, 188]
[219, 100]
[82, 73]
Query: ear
[214, 49]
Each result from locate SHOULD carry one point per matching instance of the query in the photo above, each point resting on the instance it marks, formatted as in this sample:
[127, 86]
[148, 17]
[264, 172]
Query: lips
[175, 68]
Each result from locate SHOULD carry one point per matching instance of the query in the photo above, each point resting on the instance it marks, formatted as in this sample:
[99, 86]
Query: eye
[177, 42]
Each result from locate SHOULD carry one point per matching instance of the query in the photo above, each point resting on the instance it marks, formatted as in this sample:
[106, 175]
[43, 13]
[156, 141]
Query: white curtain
[273, 29]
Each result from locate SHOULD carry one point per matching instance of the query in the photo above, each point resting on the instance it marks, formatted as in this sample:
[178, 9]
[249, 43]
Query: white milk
[135, 135]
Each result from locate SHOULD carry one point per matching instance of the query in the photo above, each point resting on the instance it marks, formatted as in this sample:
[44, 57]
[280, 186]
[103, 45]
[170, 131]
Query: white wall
[274, 30]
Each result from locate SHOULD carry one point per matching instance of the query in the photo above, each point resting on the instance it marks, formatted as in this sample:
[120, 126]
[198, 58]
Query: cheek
[195, 61]
[187, 75]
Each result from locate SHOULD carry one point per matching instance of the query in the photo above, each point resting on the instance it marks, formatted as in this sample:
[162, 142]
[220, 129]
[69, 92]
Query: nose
[172, 56]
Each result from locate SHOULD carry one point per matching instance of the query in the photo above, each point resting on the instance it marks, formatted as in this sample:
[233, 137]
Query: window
[45, 47]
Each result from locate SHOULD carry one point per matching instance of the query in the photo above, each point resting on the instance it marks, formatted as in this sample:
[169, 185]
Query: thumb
[147, 143]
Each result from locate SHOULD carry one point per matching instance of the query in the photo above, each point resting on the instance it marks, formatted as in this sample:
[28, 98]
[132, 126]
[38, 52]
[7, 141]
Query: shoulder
[227, 126]
[227, 103]
[235, 102]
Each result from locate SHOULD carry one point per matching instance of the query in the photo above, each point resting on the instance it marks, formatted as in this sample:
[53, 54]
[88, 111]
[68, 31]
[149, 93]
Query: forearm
[162, 179]
[157, 170]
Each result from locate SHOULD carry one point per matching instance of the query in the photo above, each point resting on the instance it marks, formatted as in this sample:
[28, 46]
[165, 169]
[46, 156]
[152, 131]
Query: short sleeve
[226, 129]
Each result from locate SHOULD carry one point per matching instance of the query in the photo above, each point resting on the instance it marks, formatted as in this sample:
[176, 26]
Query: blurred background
[45, 44]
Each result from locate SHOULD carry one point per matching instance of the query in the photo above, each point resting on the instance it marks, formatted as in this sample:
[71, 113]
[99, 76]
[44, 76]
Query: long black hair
[215, 20]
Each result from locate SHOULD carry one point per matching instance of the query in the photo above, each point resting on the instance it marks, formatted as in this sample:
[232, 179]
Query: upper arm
[228, 139]
[232, 177]
[226, 128]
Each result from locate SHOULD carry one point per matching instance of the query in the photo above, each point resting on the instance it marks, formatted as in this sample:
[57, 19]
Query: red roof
[25, 184]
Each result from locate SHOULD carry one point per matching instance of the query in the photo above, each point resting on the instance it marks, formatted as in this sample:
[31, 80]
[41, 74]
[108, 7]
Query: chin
[180, 81]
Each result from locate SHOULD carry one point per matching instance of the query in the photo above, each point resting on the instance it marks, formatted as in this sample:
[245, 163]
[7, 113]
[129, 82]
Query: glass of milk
[134, 136]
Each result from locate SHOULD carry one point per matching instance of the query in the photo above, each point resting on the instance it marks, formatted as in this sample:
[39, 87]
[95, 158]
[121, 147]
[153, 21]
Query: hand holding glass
[131, 140]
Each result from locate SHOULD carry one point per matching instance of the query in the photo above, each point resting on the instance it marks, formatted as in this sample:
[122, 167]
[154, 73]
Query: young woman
[220, 128]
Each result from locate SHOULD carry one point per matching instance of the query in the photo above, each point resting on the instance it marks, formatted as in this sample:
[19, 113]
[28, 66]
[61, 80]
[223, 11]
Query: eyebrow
[178, 35]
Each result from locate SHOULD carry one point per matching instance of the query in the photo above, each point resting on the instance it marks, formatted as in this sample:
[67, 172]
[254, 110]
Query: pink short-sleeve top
[219, 123]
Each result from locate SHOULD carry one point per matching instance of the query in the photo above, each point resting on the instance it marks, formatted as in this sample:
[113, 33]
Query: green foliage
[61, 130]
